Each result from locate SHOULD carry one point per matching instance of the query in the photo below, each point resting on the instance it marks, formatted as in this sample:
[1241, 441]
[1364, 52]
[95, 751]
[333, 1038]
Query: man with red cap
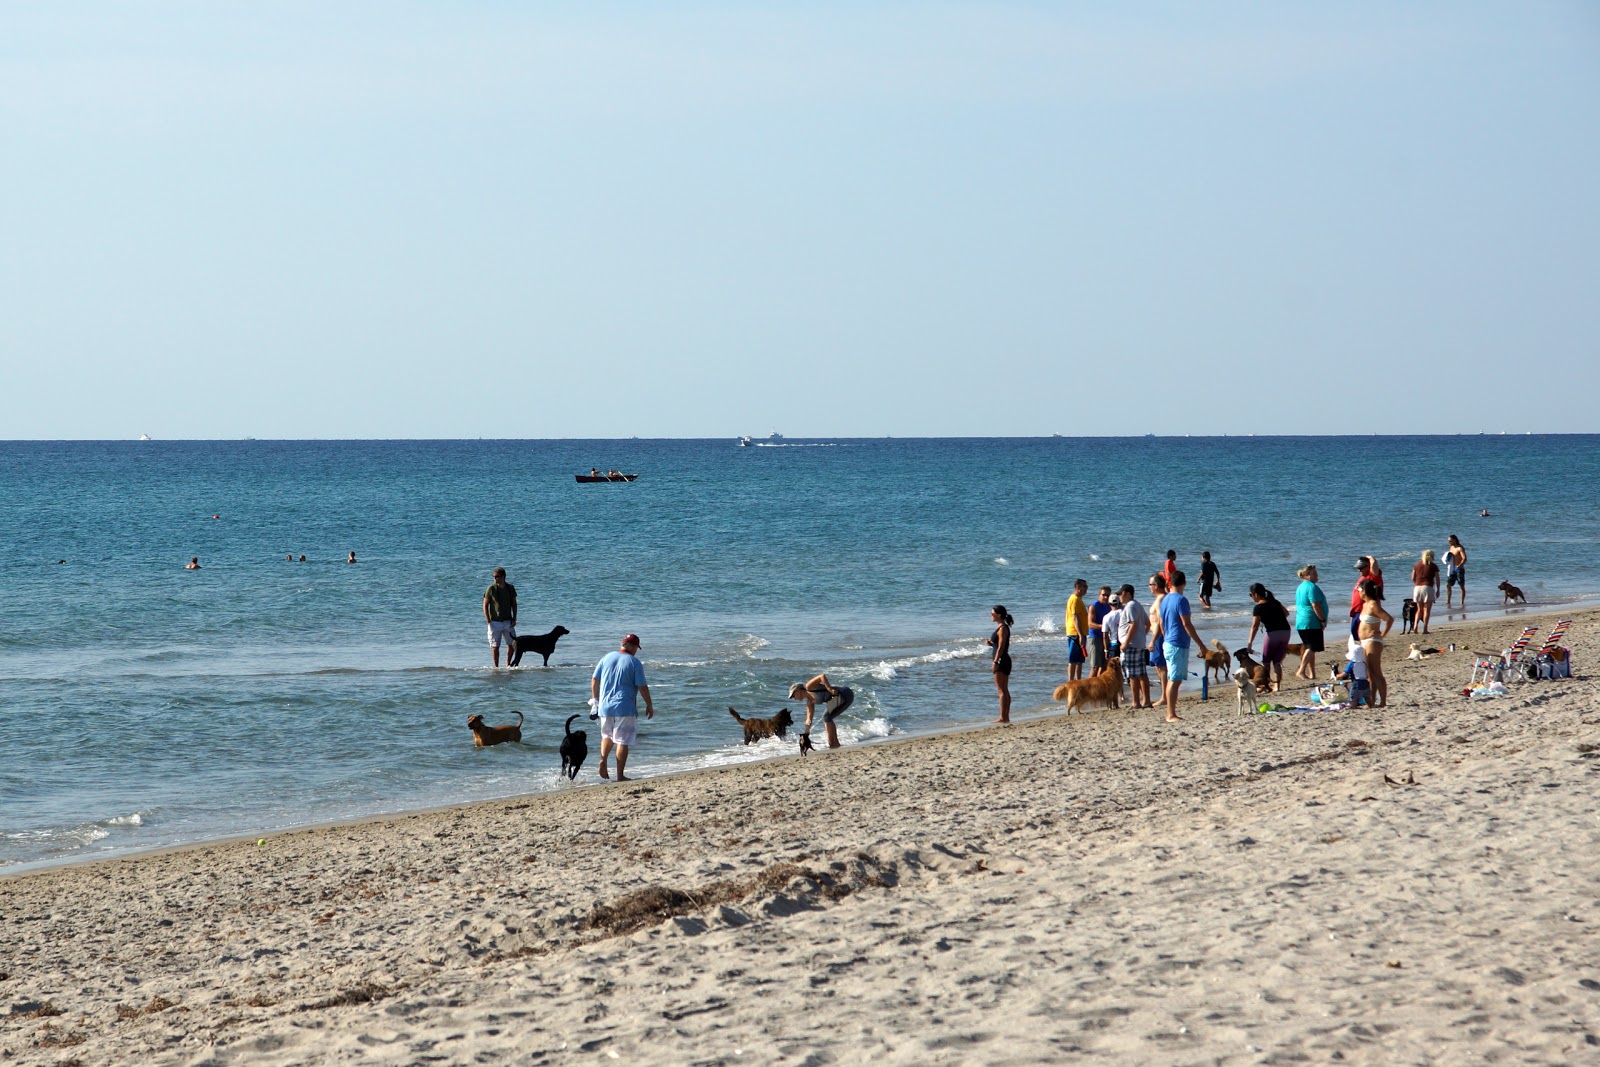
[617, 681]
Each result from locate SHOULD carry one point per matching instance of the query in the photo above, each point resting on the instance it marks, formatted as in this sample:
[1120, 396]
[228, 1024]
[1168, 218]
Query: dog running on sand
[1103, 690]
[484, 736]
[756, 729]
[574, 749]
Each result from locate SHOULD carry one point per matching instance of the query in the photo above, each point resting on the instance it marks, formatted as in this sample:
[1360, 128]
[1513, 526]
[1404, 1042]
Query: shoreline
[1189, 696]
[1228, 889]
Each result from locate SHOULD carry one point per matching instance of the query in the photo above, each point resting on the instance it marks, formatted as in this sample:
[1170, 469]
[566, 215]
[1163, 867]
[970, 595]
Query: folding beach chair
[1552, 661]
[1556, 636]
[1493, 668]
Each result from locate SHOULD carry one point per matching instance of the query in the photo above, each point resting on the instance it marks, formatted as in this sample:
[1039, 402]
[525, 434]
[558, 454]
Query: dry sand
[1225, 890]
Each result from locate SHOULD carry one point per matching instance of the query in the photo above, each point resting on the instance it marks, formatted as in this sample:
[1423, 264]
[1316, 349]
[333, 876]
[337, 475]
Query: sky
[598, 219]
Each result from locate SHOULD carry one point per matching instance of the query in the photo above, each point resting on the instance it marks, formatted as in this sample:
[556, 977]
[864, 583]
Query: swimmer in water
[193, 564]
[352, 558]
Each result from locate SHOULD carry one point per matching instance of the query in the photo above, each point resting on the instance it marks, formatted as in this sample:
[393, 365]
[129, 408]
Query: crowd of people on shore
[1116, 632]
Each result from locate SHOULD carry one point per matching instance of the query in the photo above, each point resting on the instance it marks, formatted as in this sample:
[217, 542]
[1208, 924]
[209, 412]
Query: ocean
[143, 705]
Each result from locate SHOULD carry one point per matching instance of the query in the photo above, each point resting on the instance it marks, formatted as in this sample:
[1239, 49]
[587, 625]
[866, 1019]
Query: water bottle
[1205, 688]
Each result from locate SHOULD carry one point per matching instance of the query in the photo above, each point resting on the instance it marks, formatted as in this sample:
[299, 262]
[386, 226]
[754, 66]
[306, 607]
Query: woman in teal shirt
[1310, 616]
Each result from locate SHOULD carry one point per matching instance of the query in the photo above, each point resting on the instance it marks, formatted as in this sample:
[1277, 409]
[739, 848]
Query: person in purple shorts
[1272, 618]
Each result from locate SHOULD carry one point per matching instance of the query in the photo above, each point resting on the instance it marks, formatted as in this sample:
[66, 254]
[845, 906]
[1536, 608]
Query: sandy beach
[1412, 885]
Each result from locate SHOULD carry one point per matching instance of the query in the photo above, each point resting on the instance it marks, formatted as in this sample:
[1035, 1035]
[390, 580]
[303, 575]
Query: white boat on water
[774, 436]
[144, 437]
[744, 442]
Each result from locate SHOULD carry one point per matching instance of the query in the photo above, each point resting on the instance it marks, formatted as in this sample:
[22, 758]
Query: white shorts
[501, 631]
[1422, 594]
[619, 729]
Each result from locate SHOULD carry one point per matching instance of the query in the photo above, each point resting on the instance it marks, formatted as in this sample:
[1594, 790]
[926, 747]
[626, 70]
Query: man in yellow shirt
[1077, 630]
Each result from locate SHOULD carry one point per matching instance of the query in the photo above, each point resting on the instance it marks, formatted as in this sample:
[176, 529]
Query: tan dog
[756, 729]
[1216, 659]
[484, 736]
[1103, 690]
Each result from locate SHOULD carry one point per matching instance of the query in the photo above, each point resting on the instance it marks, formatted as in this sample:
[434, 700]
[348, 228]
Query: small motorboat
[744, 442]
[609, 476]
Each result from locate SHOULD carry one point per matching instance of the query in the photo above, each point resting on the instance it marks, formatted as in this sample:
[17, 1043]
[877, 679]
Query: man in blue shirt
[1176, 629]
[617, 681]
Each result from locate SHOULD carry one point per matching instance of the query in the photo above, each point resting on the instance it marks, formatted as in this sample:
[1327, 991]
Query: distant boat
[144, 437]
[612, 476]
[774, 436]
[744, 442]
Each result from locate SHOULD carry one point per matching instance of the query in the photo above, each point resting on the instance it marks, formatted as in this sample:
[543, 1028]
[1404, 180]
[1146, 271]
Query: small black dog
[543, 644]
[1408, 616]
[805, 744]
[574, 750]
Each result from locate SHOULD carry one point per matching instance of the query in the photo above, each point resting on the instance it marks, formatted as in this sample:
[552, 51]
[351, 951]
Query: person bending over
[833, 698]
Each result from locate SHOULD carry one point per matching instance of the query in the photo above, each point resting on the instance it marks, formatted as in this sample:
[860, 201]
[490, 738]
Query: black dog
[1408, 616]
[805, 744]
[543, 644]
[574, 750]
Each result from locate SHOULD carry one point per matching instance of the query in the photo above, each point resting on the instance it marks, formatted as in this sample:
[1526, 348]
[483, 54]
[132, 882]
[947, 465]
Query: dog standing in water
[484, 736]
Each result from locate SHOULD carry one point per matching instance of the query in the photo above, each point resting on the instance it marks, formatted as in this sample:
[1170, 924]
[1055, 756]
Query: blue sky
[692, 220]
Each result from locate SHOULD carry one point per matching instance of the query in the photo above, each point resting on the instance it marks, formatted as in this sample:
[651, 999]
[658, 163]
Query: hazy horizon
[555, 221]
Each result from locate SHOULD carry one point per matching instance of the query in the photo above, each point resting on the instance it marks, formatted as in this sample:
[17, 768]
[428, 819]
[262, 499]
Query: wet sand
[1412, 885]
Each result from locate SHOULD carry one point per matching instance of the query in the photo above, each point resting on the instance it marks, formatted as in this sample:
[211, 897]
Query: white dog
[1248, 693]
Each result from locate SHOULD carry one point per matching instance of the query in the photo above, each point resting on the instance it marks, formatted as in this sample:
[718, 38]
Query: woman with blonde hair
[1310, 618]
[1425, 587]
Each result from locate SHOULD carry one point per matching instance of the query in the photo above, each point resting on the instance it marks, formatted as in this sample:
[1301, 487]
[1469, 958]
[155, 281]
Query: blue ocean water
[143, 705]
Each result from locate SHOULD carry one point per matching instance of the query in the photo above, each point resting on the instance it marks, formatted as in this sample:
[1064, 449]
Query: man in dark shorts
[1097, 634]
[1210, 578]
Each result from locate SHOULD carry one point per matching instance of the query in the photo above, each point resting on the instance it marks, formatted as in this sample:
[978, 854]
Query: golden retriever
[1103, 690]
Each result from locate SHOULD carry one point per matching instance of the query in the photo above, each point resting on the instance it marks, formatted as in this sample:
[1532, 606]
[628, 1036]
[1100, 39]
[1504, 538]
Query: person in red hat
[617, 683]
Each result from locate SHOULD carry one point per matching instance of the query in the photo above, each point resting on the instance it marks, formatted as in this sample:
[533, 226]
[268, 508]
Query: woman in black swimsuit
[1000, 641]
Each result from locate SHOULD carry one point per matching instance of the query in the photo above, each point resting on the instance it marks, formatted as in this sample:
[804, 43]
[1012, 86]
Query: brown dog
[1103, 690]
[484, 736]
[1260, 674]
[1511, 593]
[1216, 658]
[756, 729]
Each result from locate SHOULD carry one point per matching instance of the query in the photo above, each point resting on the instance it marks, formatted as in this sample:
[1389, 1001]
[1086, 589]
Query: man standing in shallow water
[500, 612]
[617, 680]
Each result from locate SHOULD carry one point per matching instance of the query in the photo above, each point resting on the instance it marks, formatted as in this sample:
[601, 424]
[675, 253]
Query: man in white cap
[617, 682]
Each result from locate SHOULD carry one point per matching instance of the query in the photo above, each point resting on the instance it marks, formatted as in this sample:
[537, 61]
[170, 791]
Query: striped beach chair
[1488, 667]
[1556, 636]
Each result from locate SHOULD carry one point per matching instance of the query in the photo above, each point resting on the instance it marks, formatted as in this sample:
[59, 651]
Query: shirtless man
[1455, 571]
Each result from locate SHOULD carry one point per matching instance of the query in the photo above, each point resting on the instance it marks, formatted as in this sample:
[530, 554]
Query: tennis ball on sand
[260, 842]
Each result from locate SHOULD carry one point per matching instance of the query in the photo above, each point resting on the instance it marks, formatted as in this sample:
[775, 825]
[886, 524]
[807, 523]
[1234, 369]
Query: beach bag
[1549, 667]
